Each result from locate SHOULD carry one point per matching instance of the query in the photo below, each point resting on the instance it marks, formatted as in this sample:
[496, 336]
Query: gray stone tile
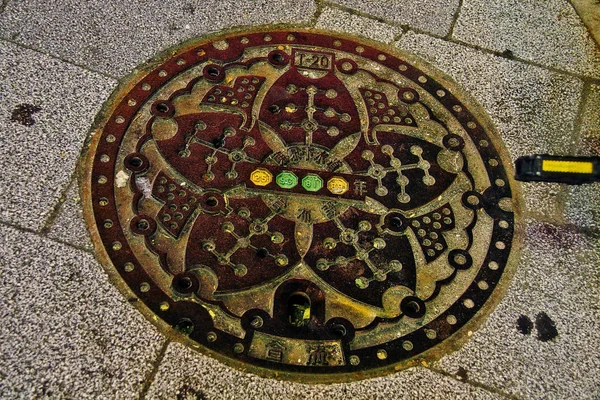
[69, 225]
[431, 16]
[582, 205]
[39, 150]
[543, 200]
[547, 32]
[589, 142]
[66, 332]
[185, 374]
[335, 19]
[533, 108]
[558, 276]
[115, 36]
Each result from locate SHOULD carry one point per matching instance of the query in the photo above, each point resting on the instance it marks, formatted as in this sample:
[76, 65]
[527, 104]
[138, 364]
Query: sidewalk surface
[66, 332]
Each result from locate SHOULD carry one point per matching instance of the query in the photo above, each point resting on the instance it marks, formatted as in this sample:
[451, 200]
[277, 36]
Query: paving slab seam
[475, 384]
[47, 54]
[583, 100]
[576, 138]
[371, 27]
[362, 14]
[398, 36]
[352, 11]
[590, 81]
[58, 206]
[455, 18]
[155, 365]
[62, 242]
[319, 6]
[406, 28]
[511, 57]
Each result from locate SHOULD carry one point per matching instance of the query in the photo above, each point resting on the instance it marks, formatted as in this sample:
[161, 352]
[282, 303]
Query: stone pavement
[66, 332]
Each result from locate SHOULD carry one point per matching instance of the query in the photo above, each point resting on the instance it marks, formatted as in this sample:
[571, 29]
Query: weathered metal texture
[302, 205]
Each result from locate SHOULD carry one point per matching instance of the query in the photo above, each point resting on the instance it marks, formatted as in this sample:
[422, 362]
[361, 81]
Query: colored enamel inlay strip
[310, 182]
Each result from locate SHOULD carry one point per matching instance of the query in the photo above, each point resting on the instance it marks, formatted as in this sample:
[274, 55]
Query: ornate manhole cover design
[302, 205]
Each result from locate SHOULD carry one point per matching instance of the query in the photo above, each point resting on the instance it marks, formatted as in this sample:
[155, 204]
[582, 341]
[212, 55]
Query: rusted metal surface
[302, 205]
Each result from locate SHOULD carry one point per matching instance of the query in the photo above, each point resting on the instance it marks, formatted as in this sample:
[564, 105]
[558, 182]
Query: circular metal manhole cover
[302, 205]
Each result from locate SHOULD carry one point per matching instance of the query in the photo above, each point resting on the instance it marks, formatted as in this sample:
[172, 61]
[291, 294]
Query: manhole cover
[302, 205]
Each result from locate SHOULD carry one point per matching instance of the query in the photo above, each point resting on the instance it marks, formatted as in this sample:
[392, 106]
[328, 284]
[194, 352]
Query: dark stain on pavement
[461, 374]
[559, 236]
[546, 328]
[23, 114]
[186, 392]
[524, 324]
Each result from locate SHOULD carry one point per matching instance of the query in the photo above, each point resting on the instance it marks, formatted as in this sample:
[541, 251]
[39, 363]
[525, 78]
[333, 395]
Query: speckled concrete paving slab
[533, 108]
[115, 36]
[548, 32]
[66, 331]
[47, 107]
[69, 225]
[542, 340]
[582, 205]
[589, 126]
[205, 378]
[432, 16]
[336, 19]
